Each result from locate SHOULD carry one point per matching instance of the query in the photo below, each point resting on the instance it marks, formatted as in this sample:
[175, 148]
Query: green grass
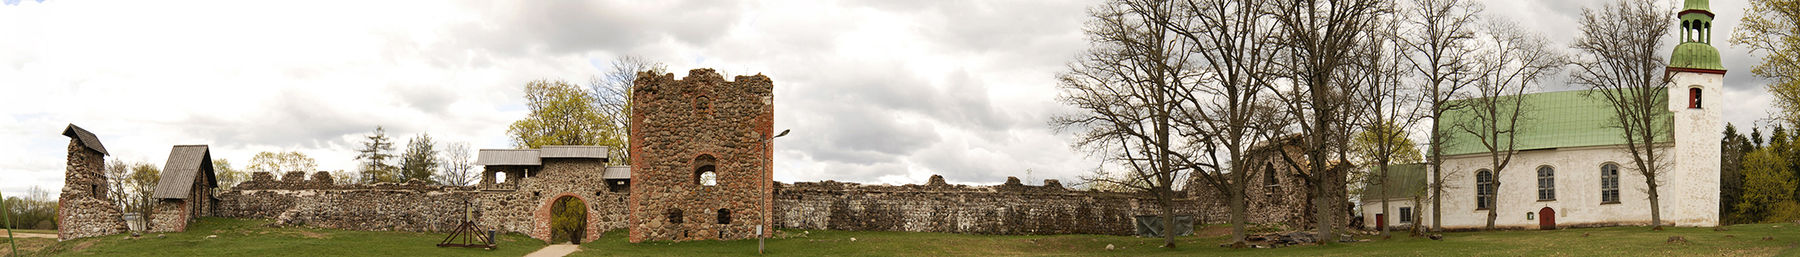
[252, 238]
[1745, 240]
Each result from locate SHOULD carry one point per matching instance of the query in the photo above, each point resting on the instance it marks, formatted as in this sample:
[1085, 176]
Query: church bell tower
[1695, 74]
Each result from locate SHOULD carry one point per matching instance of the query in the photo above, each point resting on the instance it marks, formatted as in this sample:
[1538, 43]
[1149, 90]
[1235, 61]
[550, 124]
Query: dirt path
[555, 250]
[27, 235]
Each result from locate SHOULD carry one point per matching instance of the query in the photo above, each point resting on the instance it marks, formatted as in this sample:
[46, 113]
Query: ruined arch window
[1484, 190]
[724, 216]
[705, 170]
[703, 105]
[674, 216]
[1546, 183]
[1694, 98]
[1269, 175]
[1609, 183]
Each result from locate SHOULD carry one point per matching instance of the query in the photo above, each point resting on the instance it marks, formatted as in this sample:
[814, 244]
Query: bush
[1786, 211]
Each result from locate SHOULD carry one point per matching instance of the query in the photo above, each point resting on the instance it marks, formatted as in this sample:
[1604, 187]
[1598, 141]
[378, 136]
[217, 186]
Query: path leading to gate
[555, 250]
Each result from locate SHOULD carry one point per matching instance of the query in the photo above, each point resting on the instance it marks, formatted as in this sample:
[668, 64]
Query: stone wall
[293, 200]
[1007, 209]
[684, 128]
[84, 209]
[170, 215]
[526, 209]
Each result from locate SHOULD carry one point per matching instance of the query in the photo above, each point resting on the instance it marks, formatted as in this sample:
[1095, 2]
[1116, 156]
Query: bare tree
[614, 97]
[1509, 68]
[459, 166]
[1236, 50]
[1130, 85]
[1621, 60]
[1389, 104]
[1435, 37]
[1319, 41]
[118, 175]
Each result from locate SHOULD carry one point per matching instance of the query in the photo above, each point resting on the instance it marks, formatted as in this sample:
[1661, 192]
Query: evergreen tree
[375, 154]
[420, 159]
[1766, 182]
[1733, 147]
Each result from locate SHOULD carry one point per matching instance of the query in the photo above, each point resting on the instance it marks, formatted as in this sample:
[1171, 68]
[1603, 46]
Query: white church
[1571, 168]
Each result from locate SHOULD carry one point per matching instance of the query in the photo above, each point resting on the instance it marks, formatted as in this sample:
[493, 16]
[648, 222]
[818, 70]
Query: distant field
[251, 238]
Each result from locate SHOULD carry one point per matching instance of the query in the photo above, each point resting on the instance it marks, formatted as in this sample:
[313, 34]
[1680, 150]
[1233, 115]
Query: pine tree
[420, 159]
[375, 155]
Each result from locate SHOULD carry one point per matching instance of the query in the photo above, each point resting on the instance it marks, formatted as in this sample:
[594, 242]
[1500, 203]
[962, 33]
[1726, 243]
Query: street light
[761, 229]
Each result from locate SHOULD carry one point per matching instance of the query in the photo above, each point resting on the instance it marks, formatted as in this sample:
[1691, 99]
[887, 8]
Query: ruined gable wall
[1007, 209]
[84, 210]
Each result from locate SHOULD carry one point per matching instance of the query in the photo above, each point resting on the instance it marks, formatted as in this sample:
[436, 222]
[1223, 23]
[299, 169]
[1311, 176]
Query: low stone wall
[1007, 209]
[169, 216]
[380, 207]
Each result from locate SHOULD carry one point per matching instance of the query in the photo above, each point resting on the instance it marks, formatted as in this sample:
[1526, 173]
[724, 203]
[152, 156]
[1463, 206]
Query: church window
[1406, 214]
[1546, 181]
[1694, 98]
[1484, 190]
[1609, 183]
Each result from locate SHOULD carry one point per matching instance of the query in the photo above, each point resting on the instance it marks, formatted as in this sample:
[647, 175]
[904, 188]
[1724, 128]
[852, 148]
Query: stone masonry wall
[84, 210]
[526, 209]
[1007, 209]
[681, 128]
[380, 207]
[170, 215]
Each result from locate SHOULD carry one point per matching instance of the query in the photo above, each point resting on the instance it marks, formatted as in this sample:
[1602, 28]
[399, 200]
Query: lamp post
[762, 229]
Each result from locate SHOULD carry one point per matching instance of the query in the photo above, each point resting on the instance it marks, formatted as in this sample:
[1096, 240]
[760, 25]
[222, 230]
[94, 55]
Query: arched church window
[1484, 190]
[1694, 98]
[1609, 183]
[1546, 183]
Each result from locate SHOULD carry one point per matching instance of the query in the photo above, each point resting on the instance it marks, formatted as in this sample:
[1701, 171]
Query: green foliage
[563, 114]
[420, 160]
[569, 217]
[280, 162]
[228, 176]
[1767, 181]
[1772, 28]
[34, 210]
[1733, 147]
[376, 152]
[142, 182]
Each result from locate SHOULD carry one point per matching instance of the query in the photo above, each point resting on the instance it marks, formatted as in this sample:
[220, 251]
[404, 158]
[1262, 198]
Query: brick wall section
[84, 209]
[170, 215]
[674, 123]
[1007, 209]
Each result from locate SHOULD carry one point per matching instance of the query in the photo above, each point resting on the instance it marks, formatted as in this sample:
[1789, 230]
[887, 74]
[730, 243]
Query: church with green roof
[1571, 166]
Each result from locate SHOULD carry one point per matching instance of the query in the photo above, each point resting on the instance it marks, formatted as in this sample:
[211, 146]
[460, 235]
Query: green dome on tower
[1696, 56]
[1695, 5]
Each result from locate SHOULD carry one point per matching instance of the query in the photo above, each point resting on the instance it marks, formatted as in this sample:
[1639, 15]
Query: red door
[1546, 218]
[1380, 221]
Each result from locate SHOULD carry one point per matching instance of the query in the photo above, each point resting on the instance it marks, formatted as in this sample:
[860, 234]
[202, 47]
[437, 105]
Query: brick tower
[699, 158]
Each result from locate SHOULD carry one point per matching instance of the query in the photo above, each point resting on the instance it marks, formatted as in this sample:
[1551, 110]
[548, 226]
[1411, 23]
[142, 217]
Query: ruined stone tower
[699, 156]
[85, 209]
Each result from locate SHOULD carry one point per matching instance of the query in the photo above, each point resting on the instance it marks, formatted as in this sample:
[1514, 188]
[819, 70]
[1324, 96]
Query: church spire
[1696, 50]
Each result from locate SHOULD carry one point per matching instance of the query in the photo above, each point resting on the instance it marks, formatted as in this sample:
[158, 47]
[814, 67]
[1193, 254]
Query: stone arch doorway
[1546, 218]
[568, 220]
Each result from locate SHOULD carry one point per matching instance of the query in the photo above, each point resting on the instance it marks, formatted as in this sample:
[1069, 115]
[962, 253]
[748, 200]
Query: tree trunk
[1495, 202]
[1437, 175]
[1655, 208]
[1384, 215]
[1168, 218]
[1239, 206]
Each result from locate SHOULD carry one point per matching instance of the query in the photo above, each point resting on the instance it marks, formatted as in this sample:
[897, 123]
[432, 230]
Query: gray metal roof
[185, 162]
[508, 157]
[573, 151]
[617, 172]
[86, 138]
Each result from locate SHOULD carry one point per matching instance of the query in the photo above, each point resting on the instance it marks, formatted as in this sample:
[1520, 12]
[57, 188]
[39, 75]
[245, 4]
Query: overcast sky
[875, 91]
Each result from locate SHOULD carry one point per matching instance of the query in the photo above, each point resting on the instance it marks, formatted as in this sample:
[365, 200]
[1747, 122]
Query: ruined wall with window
[1007, 209]
[1276, 194]
[699, 156]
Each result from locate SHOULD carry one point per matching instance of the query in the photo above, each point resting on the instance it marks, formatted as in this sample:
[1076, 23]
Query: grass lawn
[1743, 240]
[251, 238]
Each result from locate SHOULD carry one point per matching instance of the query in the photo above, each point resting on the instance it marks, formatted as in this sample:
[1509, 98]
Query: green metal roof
[1550, 120]
[1695, 55]
[1695, 5]
[1404, 181]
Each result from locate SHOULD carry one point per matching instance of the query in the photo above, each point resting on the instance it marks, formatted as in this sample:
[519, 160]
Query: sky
[874, 91]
